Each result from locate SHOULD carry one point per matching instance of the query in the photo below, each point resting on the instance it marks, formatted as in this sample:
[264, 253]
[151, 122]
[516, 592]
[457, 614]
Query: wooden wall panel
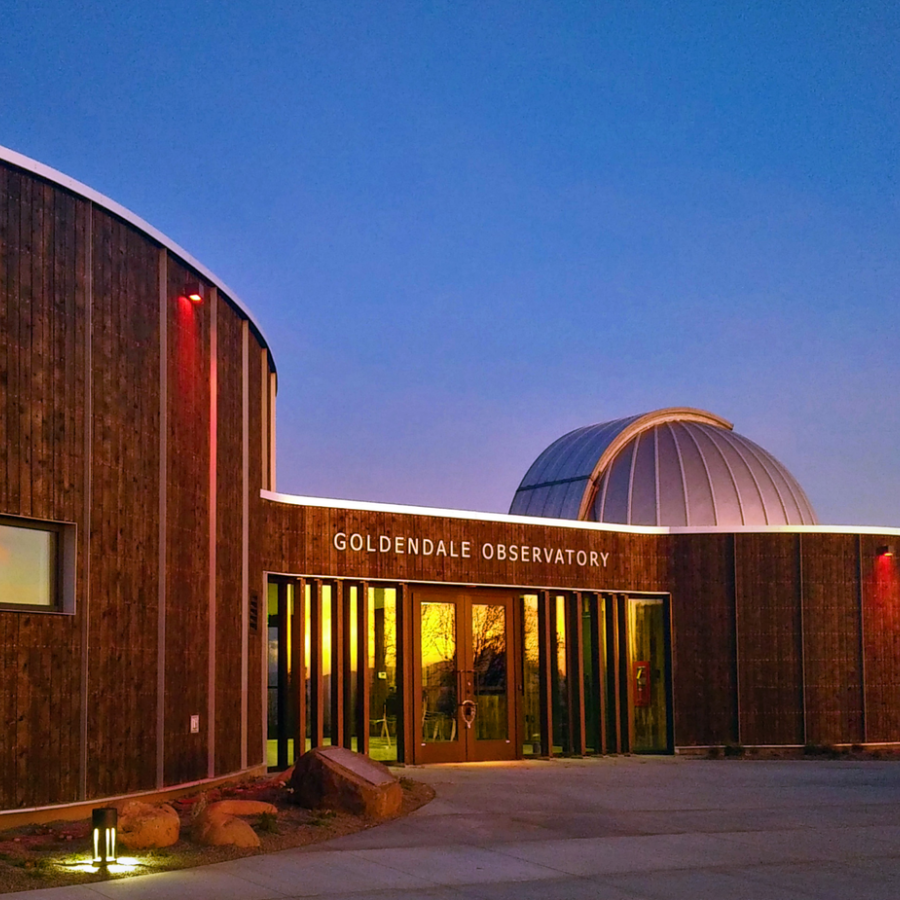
[124, 529]
[42, 297]
[881, 638]
[705, 681]
[187, 530]
[300, 540]
[255, 711]
[769, 639]
[831, 639]
[228, 544]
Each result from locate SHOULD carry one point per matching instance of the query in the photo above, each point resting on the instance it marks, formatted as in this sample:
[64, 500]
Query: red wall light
[193, 291]
[886, 550]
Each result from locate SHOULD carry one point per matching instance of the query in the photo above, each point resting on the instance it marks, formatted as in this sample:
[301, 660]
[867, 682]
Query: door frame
[466, 748]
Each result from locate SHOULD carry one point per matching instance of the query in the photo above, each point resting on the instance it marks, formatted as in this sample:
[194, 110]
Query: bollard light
[103, 826]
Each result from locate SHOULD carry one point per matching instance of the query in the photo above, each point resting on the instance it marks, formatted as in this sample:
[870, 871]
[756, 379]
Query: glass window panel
[647, 663]
[591, 677]
[559, 675]
[272, 603]
[531, 677]
[384, 701]
[490, 671]
[327, 655]
[27, 566]
[307, 657]
[439, 672]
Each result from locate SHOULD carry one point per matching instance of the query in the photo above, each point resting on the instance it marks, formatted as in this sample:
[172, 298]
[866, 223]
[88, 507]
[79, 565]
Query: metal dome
[674, 467]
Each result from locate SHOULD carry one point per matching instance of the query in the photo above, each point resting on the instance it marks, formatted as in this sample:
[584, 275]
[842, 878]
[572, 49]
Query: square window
[36, 559]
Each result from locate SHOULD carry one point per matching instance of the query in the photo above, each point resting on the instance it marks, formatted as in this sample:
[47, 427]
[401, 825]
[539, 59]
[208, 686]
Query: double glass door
[464, 702]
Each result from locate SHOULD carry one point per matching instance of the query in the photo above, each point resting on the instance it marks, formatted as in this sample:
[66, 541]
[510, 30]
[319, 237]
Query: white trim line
[328, 503]
[296, 500]
[76, 187]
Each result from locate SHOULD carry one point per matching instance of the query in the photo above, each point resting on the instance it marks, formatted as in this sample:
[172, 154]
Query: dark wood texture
[122, 692]
[831, 639]
[43, 282]
[187, 529]
[705, 681]
[770, 669]
[75, 278]
[881, 637]
[228, 544]
[257, 640]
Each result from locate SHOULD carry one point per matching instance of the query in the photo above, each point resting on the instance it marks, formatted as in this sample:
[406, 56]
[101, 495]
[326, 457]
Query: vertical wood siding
[705, 682]
[881, 629]
[831, 639]
[42, 296]
[125, 483]
[187, 531]
[770, 671]
[228, 545]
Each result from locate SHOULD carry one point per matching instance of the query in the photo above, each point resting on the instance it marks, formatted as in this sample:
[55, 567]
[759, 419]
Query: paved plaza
[592, 829]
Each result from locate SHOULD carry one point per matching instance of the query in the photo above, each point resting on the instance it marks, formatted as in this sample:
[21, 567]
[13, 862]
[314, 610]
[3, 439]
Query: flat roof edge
[436, 512]
[76, 187]
[474, 515]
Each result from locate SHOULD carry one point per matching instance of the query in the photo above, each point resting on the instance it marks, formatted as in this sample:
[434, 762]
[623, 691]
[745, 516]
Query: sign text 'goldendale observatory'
[527, 553]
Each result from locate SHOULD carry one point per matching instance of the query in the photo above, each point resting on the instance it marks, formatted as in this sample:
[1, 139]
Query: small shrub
[267, 823]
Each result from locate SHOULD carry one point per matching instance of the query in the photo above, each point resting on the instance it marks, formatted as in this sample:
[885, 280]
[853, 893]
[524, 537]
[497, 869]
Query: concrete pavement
[617, 828]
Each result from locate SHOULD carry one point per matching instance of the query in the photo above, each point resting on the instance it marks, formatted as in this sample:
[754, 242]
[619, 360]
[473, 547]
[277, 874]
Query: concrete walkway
[601, 829]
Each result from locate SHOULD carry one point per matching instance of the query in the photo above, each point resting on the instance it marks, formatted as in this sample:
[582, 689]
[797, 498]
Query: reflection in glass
[439, 690]
[27, 566]
[327, 657]
[384, 702]
[559, 675]
[489, 665]
[351, 726]
[272, 731]
[592, 684]
[307, 657]
[647, 662]
[531, 677]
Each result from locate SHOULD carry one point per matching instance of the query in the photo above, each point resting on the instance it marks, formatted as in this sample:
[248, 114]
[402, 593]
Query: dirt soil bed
[58, 853]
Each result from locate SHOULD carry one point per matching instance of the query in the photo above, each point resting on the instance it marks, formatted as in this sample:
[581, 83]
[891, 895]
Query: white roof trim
[76, 187]
[329, 503]
[295, 500]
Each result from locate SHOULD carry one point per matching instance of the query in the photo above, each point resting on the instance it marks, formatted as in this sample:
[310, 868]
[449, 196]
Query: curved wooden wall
[116, 394]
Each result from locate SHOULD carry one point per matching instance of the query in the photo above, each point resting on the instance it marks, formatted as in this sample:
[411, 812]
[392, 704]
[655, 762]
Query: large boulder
[241, 808]
[336, 778]
[216, 828]
[143, 826]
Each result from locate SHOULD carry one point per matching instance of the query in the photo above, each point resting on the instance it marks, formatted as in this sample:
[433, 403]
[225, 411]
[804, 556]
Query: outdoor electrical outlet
[195, 724]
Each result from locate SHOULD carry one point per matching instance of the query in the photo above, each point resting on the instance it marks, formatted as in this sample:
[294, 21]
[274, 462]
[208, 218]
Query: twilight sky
[470, 227]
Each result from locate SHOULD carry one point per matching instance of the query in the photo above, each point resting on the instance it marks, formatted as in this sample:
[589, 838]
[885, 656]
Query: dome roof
[674, 467]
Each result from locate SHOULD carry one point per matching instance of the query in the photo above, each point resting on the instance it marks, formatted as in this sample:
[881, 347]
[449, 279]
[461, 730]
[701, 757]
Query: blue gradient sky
[470, 227]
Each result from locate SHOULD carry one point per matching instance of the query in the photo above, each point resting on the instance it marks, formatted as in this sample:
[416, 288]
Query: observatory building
[660, 585]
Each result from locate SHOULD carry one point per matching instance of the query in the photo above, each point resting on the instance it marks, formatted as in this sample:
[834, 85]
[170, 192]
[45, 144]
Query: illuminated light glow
[193, 291]
[103, 827]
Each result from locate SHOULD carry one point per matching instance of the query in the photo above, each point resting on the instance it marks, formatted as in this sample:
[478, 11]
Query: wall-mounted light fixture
[886, 550]
[193, 291]
[103, 826]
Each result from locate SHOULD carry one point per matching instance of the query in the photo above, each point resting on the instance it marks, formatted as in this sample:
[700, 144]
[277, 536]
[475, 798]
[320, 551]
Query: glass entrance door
[463, 665]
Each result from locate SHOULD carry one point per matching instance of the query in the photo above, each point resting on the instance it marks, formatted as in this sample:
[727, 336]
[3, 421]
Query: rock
[336, 778]
[143, 825]
[242, 808]
[281, 778]
[220, 829]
